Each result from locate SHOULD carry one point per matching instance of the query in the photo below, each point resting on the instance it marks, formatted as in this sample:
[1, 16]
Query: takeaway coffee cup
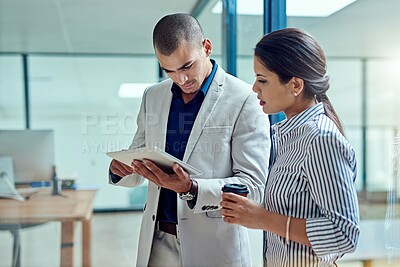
[239, 189]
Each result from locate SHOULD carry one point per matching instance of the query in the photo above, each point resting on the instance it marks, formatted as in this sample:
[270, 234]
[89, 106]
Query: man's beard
[191, 93]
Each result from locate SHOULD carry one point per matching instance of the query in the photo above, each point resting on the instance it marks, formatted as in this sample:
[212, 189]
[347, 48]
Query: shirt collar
[298, 120]
[176, 90]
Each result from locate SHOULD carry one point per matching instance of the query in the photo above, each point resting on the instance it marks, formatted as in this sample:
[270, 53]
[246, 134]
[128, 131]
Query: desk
[72, 206]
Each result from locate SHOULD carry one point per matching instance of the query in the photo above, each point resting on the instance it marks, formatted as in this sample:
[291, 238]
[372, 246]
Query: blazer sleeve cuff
[209, 195]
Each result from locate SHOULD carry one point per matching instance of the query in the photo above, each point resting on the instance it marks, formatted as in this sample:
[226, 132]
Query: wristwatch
[191, 194]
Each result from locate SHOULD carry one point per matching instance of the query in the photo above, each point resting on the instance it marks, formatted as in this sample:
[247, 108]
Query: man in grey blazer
[211, 120]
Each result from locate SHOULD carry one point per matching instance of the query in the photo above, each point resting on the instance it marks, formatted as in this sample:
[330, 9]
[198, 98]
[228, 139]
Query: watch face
[186, 196]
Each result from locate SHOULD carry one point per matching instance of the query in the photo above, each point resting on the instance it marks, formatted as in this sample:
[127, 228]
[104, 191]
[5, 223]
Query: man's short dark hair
[172, 29]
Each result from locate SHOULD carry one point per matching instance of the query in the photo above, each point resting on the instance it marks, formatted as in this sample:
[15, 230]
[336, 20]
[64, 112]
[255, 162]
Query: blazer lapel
[207, 108]
[163, 116]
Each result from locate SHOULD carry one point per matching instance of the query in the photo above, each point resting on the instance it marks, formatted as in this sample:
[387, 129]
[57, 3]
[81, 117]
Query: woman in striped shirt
[310, 216]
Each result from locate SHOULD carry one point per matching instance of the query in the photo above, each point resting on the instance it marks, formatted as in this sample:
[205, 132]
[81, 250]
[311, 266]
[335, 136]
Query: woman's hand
[238, 209]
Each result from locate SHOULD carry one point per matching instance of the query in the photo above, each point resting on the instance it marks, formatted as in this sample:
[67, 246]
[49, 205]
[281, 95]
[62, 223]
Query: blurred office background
[64, 63]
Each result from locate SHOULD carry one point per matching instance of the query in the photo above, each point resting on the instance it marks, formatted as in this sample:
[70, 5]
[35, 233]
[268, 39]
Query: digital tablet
[162, 159]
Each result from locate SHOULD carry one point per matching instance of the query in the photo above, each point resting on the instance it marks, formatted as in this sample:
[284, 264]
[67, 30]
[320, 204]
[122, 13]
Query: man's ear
[207, 46]
[297, 86]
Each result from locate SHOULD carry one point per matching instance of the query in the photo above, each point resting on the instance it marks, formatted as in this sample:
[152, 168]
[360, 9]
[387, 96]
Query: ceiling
[366, 27]
[83, 26]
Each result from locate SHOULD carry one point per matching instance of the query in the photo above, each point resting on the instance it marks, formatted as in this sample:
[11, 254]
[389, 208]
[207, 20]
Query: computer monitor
[32, 152]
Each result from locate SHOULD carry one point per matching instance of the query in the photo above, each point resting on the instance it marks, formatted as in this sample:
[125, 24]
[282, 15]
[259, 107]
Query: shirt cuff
[114, 178]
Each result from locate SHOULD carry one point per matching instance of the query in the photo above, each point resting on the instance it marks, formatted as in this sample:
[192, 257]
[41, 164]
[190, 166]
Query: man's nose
[181, 78]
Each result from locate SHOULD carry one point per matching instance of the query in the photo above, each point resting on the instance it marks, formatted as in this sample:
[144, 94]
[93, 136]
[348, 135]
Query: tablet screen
[162, 159]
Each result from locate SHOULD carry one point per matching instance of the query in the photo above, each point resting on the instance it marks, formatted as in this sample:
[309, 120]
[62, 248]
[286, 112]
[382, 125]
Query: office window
[78, 98]
[212, 27]
[383, 91]
[249, 32]
[11, 93]
[345, 87]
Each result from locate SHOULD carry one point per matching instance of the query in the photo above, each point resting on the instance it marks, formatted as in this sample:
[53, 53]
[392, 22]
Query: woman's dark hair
[292, 53]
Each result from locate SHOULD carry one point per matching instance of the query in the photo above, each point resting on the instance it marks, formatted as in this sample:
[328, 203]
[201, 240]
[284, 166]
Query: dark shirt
[180, 122]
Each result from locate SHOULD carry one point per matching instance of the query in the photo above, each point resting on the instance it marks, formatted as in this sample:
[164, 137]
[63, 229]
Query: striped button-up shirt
[312, 177]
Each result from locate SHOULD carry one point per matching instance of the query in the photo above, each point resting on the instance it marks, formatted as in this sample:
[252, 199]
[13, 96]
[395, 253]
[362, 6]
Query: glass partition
[78, 97]
[12, 107]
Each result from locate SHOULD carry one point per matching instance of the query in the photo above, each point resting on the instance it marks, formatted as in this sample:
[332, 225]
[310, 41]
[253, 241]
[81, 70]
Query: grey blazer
[229, 143]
